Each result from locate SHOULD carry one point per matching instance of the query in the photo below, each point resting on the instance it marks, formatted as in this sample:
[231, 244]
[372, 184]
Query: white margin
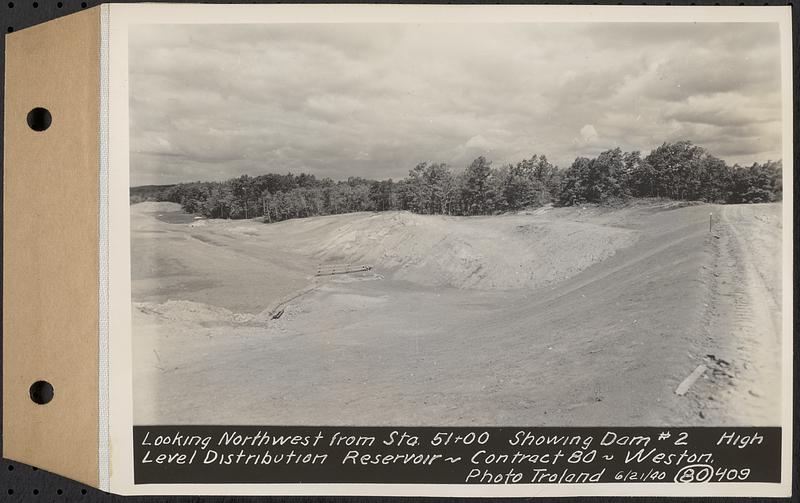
[104, 478]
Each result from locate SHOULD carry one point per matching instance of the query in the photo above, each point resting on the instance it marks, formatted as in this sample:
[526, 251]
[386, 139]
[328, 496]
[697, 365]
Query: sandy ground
[568, 316]
[743, 308]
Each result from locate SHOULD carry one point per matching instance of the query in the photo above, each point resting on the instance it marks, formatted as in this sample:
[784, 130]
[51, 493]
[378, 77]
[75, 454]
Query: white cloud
[478, 142]
[588, 134]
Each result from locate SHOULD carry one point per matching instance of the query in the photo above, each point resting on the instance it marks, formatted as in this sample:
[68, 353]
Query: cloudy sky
[209, 102]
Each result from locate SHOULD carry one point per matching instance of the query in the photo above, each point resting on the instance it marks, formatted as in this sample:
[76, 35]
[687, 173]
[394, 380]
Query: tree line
[680, 171]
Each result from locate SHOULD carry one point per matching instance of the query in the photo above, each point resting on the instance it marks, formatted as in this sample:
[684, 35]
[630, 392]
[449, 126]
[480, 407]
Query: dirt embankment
[573, 316]
[742, 317]
[508, 252]
[498, 253]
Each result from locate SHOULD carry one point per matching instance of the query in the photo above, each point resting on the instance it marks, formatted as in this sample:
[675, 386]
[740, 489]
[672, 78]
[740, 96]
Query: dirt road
[571, 316]
[743, 316]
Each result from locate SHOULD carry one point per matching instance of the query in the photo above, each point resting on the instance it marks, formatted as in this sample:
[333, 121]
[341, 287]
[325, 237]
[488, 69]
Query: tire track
[743, 323]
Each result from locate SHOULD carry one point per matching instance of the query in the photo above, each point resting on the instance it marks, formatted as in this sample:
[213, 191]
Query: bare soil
[559, 316]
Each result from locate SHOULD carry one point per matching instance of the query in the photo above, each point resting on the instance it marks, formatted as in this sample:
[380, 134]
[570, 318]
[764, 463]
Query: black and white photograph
[457, 224]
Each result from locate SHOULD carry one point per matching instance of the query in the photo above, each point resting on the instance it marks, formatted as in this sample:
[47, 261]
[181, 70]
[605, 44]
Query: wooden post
[710, 220]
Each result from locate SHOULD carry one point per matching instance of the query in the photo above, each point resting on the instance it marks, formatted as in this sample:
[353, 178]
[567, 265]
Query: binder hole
[83, 491]
[35, 4]
[59, 5]
[35, 492]
[83, 5]
[39, 119]
[41, 392]
[10, 492]
[10, 29]
[10, 5]
[60, 492]
[11, 468]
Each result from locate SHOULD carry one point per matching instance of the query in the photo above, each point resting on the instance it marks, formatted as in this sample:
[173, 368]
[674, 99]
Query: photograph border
[117, 19]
